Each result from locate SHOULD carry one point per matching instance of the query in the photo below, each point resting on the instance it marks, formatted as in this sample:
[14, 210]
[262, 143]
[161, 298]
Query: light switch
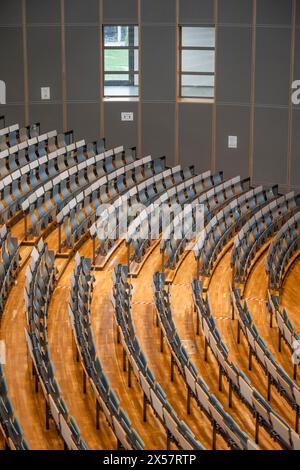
[45, 93]
[232, 141]
[127, 116]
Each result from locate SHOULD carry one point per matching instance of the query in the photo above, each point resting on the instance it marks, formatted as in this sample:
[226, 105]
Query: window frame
[197, 74]
[131, 48]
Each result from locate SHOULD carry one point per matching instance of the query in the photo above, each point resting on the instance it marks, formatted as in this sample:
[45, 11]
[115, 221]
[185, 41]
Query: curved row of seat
[9, 264]
[140, 196]
[13, 135]
[286, 329]
[179, 196]
[211, 202]
[148, 224]
[276, 374]
[221, 421]
[10, 427]
[40, 282]
[81, 211]
[238, 381]
[223, 226]
[281, 250]
[255, 233]
[106, 399]
[45, 203]
[21, 155]
[154, 394]
[152, 222]
[4, 131]
[27, 177]
[179, 199]
[108, 225]
[68, 173]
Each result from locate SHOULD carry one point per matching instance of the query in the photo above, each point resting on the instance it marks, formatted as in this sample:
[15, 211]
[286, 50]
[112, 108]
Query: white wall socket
[127, 116]
[2, 92]
[45, 93]
[232, 142]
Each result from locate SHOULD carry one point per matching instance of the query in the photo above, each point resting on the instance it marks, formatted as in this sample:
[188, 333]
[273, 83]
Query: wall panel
[273, 66]
[45, 11]
[158, 130]
[270, 145]
[83, 118]
[49, 115]
[296, 149]
[235, 11]
[158, 11]
[82, 58]
[158, 70]
[118, 132]
[195, 127]
[14, 114]
[11, 12]
[44, 61]
[11, 60]
[123, 11]
[195, 11]
[77, 11]
[234, 65]
[274, 12]
[233, 121]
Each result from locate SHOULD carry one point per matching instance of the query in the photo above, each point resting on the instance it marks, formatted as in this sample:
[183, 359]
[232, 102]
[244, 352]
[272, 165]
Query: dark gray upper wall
[234, 64]
[11, 13]
[82, 60]
[233, 120]
[44, 69]
[192, 11]
[158, 11]
[45, 11]
[274, 12]
[77, 11]
[120, 11]
[273, 52]
[158, 130]
[195, 130]
[158, 74]
[11, 60]
[158, 81]
[235, 11]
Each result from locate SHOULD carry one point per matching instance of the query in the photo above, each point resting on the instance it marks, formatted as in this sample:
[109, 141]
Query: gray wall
[252, 96]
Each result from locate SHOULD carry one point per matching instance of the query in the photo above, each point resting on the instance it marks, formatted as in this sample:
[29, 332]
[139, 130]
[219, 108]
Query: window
[121, 61]
[197, 62]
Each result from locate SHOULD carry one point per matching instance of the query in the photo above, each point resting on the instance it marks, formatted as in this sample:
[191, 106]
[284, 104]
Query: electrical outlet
[232, 141]
[45, 93]
[127, 116]
[2, 92]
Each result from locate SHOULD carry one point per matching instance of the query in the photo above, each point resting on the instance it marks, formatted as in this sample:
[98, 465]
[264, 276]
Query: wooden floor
[30, 406]
[185, 320]
[69, 373]
[290, 298]
[256, 289]
[256, 292]
[148, 333]
[110, 354]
